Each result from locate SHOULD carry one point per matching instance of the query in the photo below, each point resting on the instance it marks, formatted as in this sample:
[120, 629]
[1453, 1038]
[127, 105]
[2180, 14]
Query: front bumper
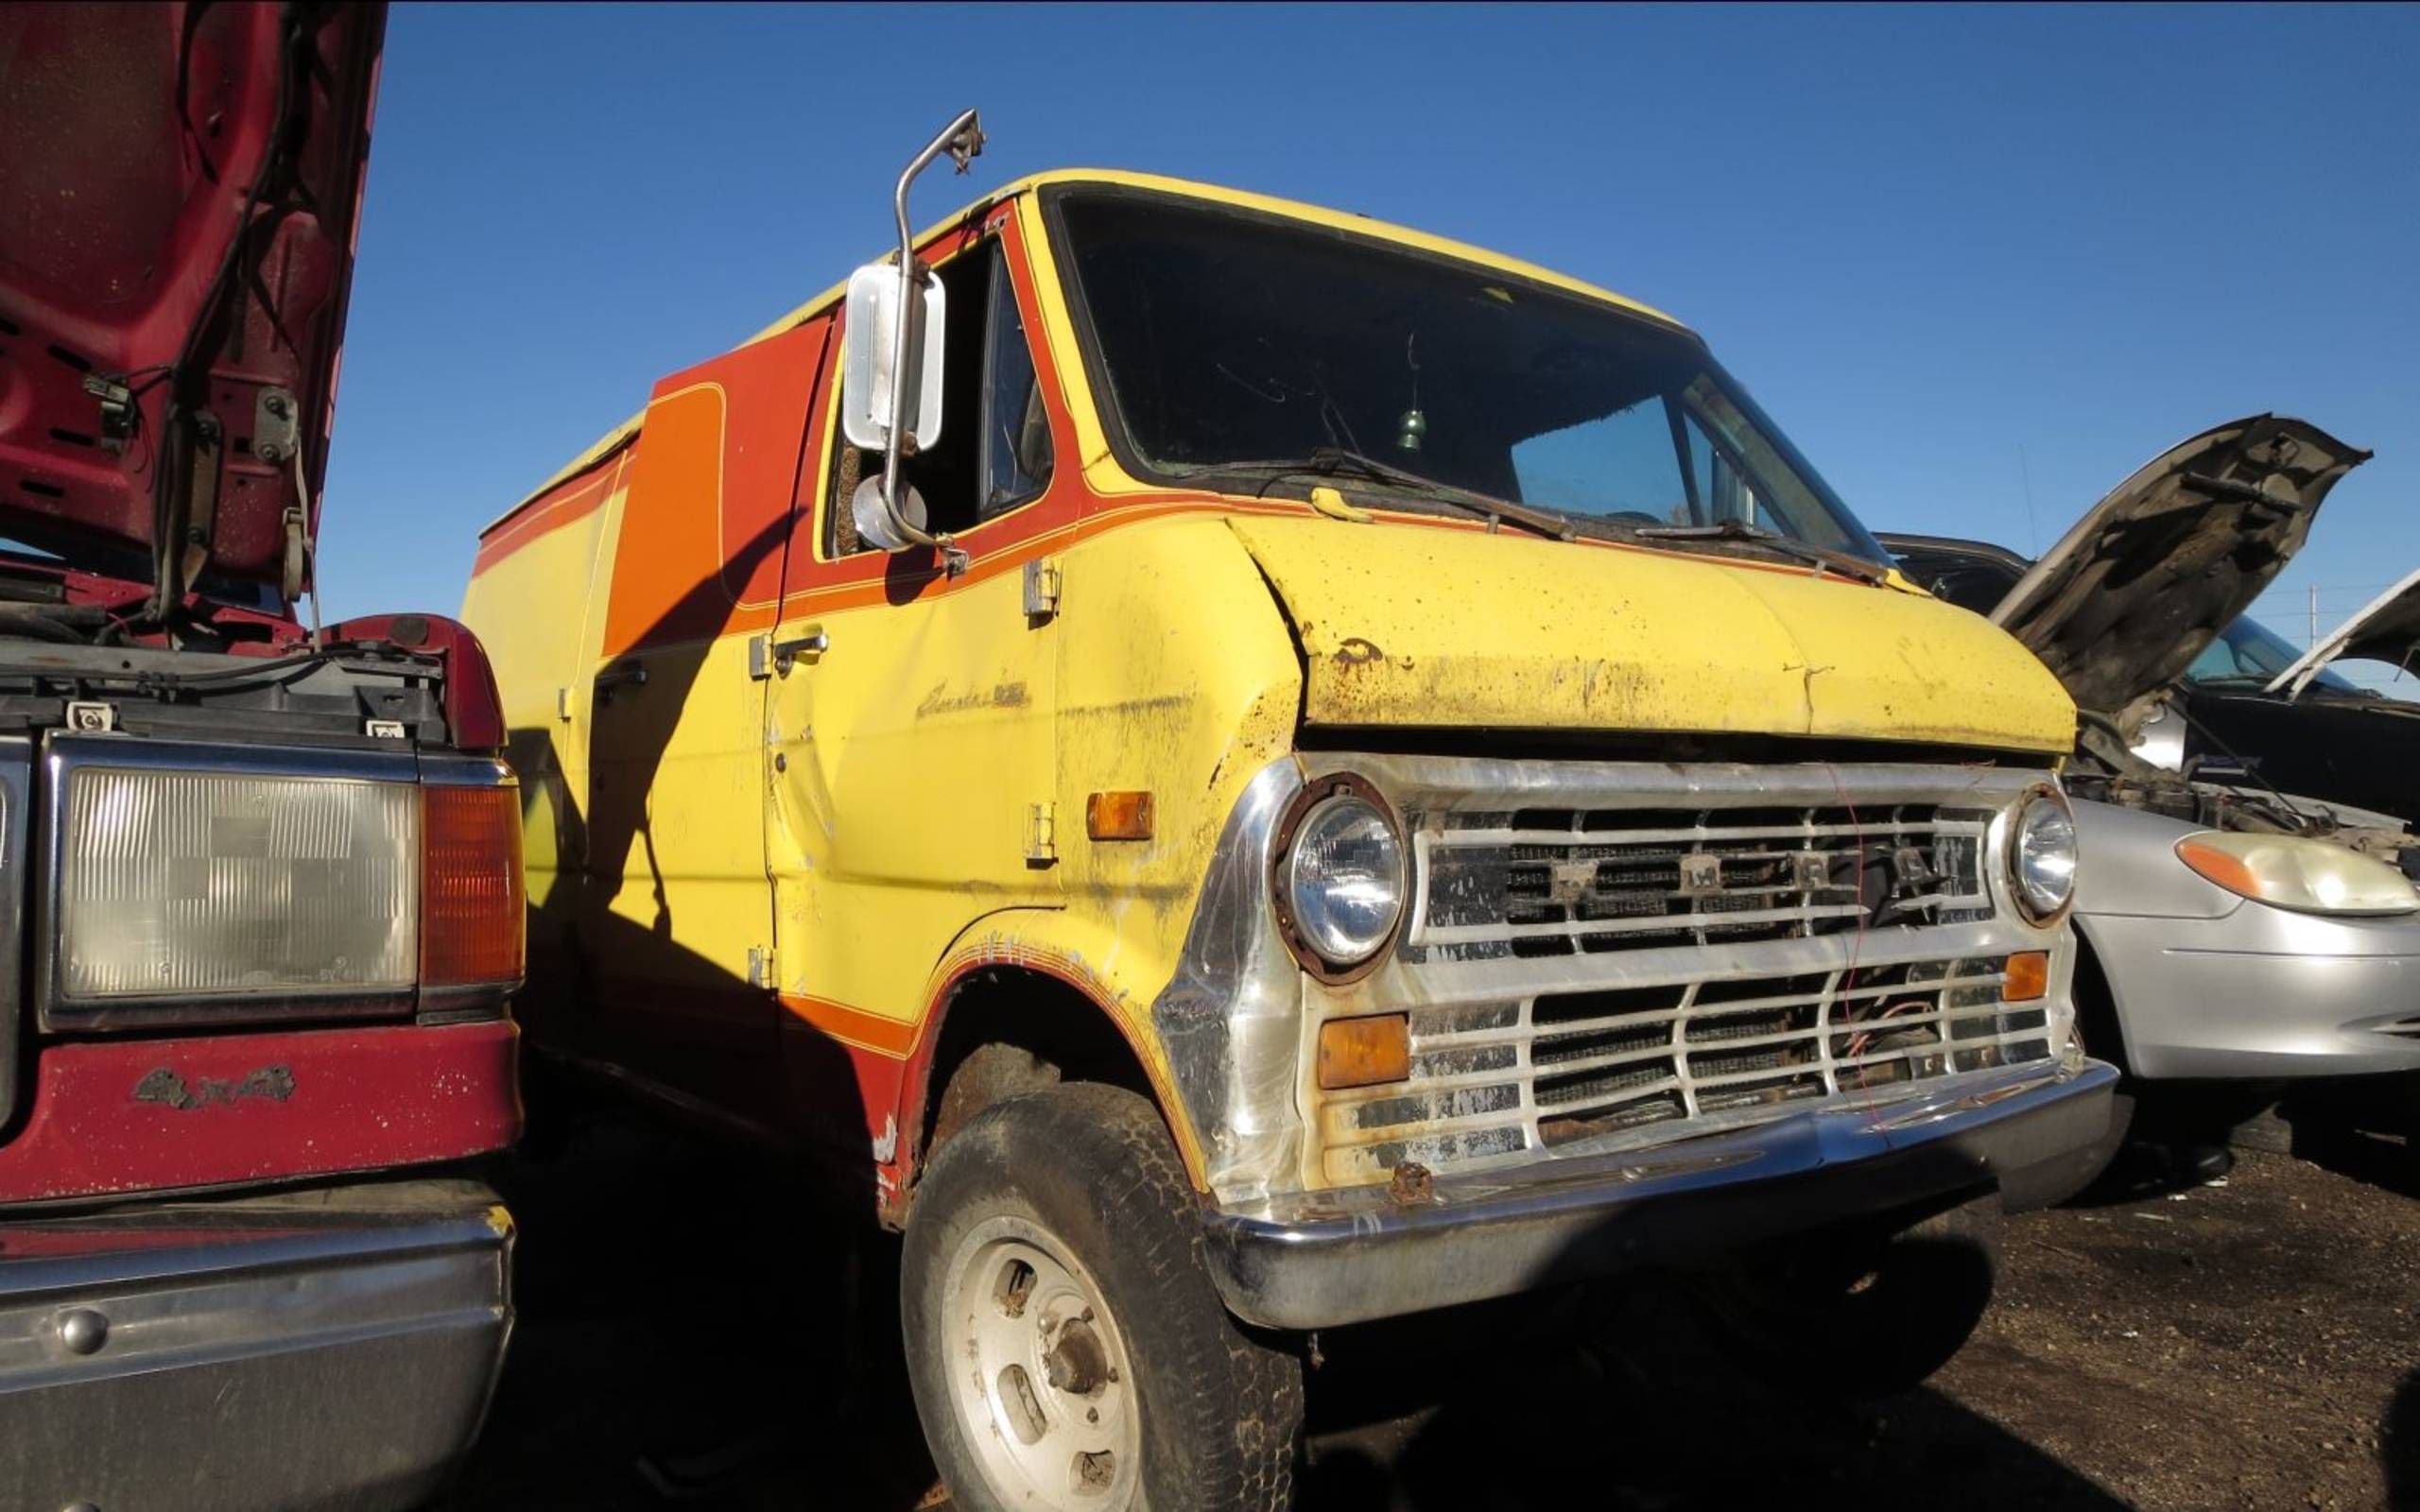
[1326, 1259]
[2261, 993]
[314, 1349]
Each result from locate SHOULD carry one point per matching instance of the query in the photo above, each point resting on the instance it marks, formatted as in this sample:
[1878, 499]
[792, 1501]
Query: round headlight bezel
[1341, 792]
[2048, 801]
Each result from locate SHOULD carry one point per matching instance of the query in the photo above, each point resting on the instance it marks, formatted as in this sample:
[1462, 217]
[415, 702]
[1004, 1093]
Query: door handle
[811, 646]
[630, 673]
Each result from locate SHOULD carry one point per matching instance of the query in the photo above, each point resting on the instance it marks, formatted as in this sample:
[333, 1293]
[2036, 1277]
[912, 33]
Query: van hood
[1447, 625]
[2121, 606]
[181, 188]
[2387, 629]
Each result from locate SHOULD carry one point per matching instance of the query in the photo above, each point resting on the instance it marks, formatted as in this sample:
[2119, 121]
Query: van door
[677, 919]
[911, 717]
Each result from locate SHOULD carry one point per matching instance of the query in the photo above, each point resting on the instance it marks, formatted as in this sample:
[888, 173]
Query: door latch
[769, 658]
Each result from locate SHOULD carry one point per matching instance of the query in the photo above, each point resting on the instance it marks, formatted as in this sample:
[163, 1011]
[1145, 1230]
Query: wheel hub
[1039, 1373]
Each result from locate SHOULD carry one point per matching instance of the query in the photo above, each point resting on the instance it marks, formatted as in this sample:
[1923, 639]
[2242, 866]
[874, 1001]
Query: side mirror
[870, 364]
[891, 375]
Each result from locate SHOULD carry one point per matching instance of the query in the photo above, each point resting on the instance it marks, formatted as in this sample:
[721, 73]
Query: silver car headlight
[189, 883]
[1343, 877]
[2294, 871]
[2042, 856]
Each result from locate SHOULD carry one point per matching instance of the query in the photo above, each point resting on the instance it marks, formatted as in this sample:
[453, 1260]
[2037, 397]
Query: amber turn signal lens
[470, 914]
[1118, 815]
[1364, 1052]
[2026, 977]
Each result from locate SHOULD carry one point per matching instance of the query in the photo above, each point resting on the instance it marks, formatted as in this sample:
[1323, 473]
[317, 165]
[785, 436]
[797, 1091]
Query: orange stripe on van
[855, 1026]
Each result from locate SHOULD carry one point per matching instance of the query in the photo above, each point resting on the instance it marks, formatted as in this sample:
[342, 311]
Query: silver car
[2205, 982]
[2236, 938]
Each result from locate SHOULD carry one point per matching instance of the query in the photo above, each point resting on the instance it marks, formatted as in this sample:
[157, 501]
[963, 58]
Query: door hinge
[1042, 835]
[1041, 589]
[761, 966]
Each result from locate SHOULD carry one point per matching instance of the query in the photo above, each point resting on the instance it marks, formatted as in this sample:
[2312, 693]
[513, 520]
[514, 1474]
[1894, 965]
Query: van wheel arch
[1004, 1032]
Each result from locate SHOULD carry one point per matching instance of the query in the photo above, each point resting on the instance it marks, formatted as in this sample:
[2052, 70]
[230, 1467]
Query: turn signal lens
[2026, 977]
[1364, 1052]
[470, 920]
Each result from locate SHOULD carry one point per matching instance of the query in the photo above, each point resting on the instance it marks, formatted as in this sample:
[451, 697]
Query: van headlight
[1341, 873]
[2294, 871]
[2042, 856]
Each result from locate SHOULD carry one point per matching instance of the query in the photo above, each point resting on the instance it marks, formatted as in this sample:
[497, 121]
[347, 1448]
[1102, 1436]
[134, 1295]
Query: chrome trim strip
[1230, 1020]
[1326, 1258]
[16, 809]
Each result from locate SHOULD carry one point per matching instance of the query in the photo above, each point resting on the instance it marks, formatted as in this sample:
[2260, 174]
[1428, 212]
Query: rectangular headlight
[182, 883]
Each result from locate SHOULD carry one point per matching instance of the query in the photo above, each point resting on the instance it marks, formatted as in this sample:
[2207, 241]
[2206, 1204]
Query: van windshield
[1238, 347]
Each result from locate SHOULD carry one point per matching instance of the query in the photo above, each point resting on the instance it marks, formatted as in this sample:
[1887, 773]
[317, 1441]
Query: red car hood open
[178, 189]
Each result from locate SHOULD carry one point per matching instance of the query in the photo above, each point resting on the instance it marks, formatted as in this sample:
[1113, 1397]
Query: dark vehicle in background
[2251, 704]
[260, 896]
[2241, 932]
[2300, 724]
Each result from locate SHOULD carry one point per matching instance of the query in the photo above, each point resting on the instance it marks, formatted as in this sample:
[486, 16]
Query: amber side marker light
[1364, 1052]
[2026, 977]
[1125, 815]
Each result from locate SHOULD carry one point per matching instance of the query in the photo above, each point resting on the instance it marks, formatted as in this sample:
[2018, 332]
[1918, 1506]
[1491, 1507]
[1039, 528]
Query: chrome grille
[1561, 882]
[1500, 1078]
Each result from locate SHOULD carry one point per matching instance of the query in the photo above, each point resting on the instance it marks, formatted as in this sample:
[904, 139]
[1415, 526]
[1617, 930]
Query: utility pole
[2312, 643]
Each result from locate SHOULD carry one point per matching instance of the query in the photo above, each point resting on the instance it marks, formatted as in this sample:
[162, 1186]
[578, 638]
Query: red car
[260, 892]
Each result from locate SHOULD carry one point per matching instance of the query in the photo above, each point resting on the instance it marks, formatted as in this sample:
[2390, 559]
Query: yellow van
[1233, 769]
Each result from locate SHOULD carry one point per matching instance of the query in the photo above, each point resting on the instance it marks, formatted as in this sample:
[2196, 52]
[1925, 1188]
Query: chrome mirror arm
[964, 140]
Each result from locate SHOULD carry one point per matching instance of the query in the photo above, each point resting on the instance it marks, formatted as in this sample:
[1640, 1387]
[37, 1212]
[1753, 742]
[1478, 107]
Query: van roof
[621, 436]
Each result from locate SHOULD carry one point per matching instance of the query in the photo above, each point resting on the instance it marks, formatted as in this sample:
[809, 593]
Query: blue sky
[1979, 264]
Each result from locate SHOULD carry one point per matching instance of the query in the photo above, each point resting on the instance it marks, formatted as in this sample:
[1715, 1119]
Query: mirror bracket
[963, 138]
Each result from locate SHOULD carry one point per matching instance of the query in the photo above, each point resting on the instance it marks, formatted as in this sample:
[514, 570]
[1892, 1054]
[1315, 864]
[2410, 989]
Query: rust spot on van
[1354, 651]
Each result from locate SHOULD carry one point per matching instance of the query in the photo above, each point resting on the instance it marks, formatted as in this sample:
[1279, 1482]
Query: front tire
[1067, 1348]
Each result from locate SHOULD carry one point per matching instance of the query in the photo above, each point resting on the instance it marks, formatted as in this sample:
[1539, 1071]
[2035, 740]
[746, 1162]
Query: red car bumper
[164, 1115]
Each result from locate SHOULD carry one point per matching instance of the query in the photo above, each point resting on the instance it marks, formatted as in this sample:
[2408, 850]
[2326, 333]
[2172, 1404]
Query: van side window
[995, 451]
[1016, 438]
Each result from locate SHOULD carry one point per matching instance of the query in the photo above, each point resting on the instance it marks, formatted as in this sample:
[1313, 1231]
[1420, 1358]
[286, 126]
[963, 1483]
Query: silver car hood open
[2387, 629]
[2126, 600]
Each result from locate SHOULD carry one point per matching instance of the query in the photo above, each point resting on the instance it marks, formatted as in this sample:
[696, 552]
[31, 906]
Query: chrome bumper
[320, 1348]
[1326, 1258]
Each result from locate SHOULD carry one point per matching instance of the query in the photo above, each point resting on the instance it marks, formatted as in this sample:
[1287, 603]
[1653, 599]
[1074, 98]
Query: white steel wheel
[1043, 1388]
[1067, 1349]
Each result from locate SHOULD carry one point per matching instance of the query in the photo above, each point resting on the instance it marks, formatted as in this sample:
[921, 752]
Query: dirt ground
[687, 1338]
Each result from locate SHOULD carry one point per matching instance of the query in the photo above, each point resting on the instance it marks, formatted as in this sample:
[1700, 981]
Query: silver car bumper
[2262, 993]
[320, 1348]
[1326, 1258]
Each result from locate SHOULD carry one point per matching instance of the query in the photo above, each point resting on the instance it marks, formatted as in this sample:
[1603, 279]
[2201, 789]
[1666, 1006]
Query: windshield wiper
[1329, 461]
[1740, 530]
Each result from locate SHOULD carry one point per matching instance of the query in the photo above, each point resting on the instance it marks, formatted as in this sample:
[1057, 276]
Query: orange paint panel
[711, 475]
